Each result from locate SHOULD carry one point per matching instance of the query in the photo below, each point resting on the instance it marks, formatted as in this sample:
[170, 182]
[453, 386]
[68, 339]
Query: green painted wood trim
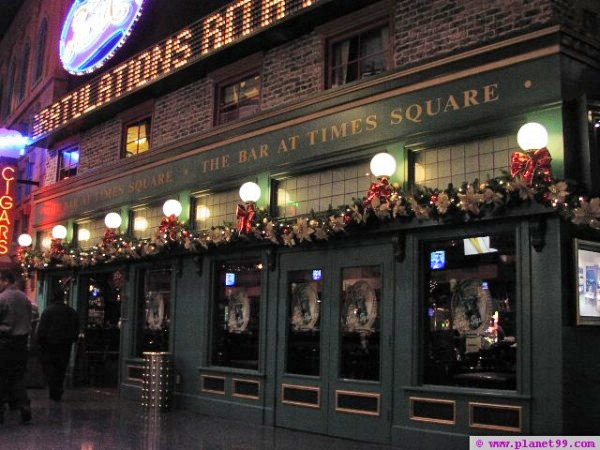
[124, 228]
[263, 179]
[552, 120]
[185, 198]
[400, 152]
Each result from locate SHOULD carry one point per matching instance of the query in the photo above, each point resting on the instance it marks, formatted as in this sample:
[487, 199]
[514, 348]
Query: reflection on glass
[236, 315]
[305, 295]
[154, 317]
[360, 324]
[470, 325]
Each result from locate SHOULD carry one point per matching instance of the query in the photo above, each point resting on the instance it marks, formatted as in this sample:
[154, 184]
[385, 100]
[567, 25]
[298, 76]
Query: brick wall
[50, 165]
[427, 29]
[187, 111]
[292, 71]
[100, 145]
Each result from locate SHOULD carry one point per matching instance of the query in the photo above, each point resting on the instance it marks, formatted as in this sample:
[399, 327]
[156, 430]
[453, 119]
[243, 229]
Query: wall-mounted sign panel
[7, 204]
[94, 30]
[483, 97]
[227, 26]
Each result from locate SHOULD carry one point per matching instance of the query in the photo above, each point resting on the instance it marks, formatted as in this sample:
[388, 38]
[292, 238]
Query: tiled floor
[90, 419]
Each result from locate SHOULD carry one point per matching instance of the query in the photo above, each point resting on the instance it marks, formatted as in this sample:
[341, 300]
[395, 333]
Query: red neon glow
[7, 203]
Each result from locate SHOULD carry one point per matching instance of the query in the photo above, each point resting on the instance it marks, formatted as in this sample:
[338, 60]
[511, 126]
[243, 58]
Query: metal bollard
[157, 387]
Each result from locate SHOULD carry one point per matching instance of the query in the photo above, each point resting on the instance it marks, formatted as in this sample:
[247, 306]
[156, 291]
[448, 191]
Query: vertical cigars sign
[8, 180]
[231, 24]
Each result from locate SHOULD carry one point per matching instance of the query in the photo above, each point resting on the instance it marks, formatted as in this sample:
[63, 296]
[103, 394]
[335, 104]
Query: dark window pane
[103, 314]
[154, 310]
[239, 100]
[305, 297]
[359, 317]
[236, 315]
[469, 314]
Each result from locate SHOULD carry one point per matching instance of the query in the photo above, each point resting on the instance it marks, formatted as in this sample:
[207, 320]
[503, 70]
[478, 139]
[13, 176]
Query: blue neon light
[438, 259]
[94, 30]
[317, 274]
[229, 279]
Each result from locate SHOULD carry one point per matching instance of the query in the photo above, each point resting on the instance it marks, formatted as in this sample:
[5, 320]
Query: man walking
[15, 326]
[58, 329]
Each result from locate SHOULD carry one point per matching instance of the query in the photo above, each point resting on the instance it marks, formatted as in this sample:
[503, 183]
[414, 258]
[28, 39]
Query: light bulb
[140, 224]
[112, 220]
[383, 165]
[172, 208]
[250, 192]
[25, 240]
[532, 136]
[83, 234]
[202, 212]
[59, 232]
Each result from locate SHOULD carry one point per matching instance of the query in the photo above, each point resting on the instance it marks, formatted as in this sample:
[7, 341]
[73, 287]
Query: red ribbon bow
[380, 189]
[528, 164]
[168, 226]
[245, 216]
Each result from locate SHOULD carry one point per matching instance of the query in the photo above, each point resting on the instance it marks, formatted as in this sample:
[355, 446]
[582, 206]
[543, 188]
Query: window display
[304, 334]
[470, 303]
[154, 310]
[359, 317]
[588, 282]
[236, 315]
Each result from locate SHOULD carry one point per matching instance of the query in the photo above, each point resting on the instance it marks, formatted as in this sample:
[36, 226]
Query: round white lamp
[47, 242]
[250, 192]
[140, 224]
[24, 240]
[59, 232]
[383, 165]
[532, 136]
[112, 220]
[202, 212]
[83, 234]
[172, 208]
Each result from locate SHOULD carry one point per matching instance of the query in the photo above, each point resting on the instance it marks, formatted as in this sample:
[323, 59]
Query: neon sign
[229, 25]
[94, 30]
[7, 188]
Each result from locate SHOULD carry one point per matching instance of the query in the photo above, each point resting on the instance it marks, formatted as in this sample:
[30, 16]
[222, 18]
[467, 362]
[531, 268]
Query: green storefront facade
[391, 381]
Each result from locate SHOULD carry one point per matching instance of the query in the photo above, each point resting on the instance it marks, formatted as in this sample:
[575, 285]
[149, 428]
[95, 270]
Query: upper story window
[41, 51]
[464, 162]
[68, 161]
[318, 191]
[238, 100]
[145, 221]
[137, 137]
[12, 78]
[24, 72]
[215, 209]
[359, 55]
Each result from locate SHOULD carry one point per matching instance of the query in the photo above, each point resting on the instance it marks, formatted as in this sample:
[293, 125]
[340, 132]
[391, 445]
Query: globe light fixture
[47, 242]
[59, 232]
[532, 136]
[83, 234]
[172, 208]
[383, 165]
[112, 220]
[250, 192]
[140, 224]
[24, 240]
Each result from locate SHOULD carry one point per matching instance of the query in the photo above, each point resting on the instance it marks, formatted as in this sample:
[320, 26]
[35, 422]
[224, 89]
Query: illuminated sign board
[228, 25]
[94, 30]
[7, 203]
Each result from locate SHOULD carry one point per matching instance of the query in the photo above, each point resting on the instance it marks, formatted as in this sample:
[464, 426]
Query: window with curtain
[358, 56]
[239, 100]
[137, 137]
[24, 71]
[68, 161]
[41, 51]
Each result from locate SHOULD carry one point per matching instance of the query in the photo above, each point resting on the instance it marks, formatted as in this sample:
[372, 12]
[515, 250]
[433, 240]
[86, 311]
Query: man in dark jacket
[57, 331]
[15, 326]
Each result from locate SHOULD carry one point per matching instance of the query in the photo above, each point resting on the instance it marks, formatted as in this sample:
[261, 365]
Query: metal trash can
[158, 375]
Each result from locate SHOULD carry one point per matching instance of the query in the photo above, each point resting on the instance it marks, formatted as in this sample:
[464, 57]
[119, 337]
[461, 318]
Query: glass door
[334, 348]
